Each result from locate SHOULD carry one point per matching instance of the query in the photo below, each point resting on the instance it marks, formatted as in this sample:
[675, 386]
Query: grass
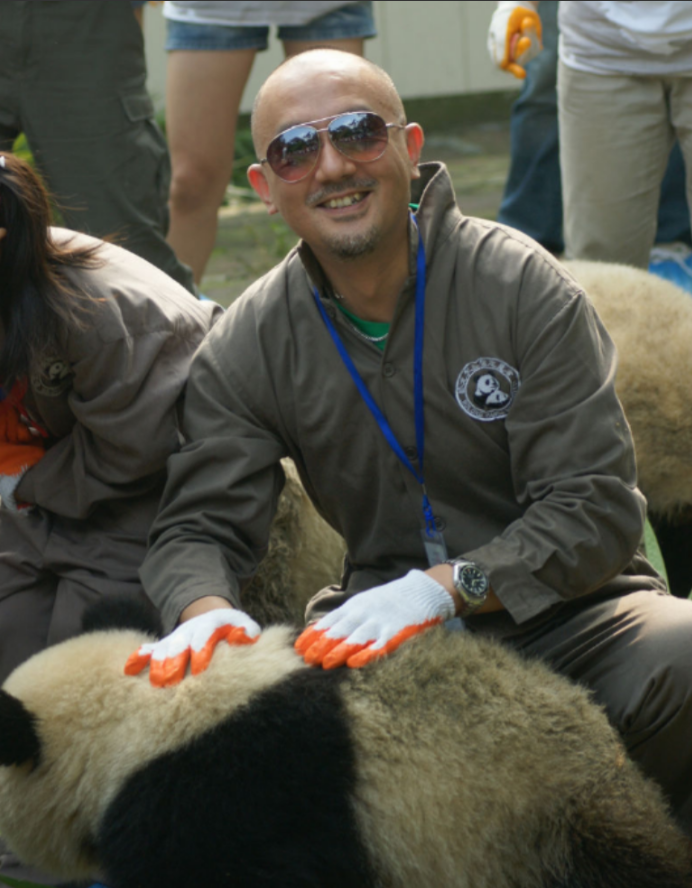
[15, 883]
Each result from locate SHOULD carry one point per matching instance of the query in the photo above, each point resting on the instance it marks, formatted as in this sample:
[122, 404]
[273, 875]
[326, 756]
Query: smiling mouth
[337, 203]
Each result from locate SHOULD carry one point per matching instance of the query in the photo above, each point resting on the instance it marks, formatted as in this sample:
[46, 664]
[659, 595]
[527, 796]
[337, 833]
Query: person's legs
[681, 119]
[634, 653]
[204, 90]
[90, 124]
[10, 56]
[673, 210]
[27, 591]
[532, 200]
[615, 139]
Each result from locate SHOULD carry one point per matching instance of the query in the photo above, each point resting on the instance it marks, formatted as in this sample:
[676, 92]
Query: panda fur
[304, 554]
[451, 763]
[650, 321]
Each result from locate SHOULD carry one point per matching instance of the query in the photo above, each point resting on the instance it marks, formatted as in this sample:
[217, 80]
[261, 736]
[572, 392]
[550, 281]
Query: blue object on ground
[673, 262]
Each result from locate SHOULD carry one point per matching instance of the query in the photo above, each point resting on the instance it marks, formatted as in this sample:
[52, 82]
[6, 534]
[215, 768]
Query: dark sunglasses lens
[361, 136]
[292, 154]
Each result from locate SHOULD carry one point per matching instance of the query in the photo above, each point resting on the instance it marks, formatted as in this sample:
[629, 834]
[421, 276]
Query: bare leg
[204, 90]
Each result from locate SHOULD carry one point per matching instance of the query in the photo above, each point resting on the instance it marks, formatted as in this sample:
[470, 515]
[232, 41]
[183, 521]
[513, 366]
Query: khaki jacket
[529, 462]
[109, 395]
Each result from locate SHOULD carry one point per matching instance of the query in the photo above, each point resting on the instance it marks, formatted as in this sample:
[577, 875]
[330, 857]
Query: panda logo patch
[486, 388]
[52, 378]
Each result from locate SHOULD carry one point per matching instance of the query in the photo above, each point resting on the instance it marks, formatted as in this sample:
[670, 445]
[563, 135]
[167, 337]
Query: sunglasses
[359, 135]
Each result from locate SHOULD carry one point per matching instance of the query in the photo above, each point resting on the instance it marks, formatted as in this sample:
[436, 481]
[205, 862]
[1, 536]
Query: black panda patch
[262, 800]
[19, 740]
[123, 612]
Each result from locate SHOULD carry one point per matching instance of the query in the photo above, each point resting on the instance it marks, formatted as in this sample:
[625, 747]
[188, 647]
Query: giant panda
[451, 763]
[304, 554]
[650, 321]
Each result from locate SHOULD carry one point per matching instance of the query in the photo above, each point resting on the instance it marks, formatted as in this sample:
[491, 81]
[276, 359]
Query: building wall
[432, 48]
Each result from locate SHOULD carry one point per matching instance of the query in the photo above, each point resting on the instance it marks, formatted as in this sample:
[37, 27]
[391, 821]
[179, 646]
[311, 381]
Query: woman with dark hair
[95, 346]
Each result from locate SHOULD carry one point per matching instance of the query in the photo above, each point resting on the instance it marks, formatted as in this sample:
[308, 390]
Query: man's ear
[414, 144]
[3, 233]
[260, 185]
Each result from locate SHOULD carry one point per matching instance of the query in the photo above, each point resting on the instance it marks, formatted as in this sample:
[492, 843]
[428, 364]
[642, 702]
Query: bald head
[341, 75]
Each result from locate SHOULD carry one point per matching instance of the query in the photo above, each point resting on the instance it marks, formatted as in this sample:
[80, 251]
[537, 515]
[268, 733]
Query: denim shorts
[354, 20]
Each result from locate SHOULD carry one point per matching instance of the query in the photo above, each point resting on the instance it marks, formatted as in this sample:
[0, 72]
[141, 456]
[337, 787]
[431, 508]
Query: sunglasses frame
[326, 129]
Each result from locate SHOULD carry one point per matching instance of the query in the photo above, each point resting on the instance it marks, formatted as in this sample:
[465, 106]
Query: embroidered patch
[53, 377]
[486, 388]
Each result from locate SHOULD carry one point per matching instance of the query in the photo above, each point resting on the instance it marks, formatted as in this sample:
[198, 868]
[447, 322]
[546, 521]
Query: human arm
[222, 491]
[128, 367]
[514, 35]
[578, 515]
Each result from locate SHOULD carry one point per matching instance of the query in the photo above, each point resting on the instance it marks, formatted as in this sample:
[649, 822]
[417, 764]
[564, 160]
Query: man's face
[342, 208]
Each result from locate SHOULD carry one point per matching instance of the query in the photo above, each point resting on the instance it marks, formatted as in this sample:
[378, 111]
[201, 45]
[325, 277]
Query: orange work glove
[376, 622]
[193, 643]
[514, 37]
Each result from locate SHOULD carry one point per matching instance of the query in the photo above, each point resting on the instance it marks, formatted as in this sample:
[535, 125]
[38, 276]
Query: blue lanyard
[417, 383]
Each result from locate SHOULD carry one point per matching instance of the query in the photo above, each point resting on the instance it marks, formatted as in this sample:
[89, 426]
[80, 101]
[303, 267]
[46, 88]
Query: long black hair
[38, 302]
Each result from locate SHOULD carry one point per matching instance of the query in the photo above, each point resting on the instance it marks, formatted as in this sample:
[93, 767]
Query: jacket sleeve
[124, 398]
[572, 462]
[231, 467]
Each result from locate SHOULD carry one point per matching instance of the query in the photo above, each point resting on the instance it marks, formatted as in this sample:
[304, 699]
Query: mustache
[333, 188]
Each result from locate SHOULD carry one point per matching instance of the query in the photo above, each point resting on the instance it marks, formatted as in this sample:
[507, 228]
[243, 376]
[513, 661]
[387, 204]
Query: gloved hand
[514, 36]
[376, 622]
[15, 461]
[192, 642]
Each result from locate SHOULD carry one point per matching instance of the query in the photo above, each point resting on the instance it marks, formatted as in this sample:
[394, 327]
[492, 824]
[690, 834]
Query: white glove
[514, 36]
[376, 622]
[192, 642]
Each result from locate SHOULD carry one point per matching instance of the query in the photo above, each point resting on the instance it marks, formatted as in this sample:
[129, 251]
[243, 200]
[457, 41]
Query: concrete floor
[249, 242]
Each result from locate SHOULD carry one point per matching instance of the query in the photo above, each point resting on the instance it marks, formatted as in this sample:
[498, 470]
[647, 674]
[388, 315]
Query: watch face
[474, 581]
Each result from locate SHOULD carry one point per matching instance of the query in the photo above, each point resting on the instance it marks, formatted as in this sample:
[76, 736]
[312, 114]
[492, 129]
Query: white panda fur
[452, 763]
[650, 321]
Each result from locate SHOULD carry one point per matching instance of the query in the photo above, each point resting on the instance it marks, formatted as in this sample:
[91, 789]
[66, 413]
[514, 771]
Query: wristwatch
[471, 583]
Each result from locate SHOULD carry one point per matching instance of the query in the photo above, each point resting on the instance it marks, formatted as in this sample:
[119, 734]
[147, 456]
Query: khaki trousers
[616, 134]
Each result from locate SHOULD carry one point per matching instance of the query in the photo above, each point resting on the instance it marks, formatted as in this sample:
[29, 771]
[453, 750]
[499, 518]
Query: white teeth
[348, 201]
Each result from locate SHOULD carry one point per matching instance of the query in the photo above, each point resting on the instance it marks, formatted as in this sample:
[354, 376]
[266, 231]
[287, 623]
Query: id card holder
[435, 546]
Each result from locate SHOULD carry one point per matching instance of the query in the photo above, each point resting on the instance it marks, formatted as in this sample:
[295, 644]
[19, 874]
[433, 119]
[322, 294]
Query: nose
[331, 163]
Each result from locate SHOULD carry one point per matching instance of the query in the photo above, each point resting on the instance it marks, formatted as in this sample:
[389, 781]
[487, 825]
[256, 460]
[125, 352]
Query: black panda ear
[19, 740]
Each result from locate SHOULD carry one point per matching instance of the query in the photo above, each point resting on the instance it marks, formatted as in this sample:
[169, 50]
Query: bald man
[446, 392]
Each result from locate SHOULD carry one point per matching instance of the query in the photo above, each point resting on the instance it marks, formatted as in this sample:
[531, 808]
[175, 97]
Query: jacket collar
[437, 216]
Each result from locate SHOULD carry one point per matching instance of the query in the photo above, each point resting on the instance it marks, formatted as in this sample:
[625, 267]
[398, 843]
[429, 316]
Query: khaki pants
[616, 134]
[635, 654]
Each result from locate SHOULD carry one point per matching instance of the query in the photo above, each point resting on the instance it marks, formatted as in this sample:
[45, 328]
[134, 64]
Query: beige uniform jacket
[108, 397]
[528, 463]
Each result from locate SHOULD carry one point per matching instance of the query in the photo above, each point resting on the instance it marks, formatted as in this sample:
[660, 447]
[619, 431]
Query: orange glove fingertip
[342, 654]
[137, 663]
[363, 657]
[307, 638]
